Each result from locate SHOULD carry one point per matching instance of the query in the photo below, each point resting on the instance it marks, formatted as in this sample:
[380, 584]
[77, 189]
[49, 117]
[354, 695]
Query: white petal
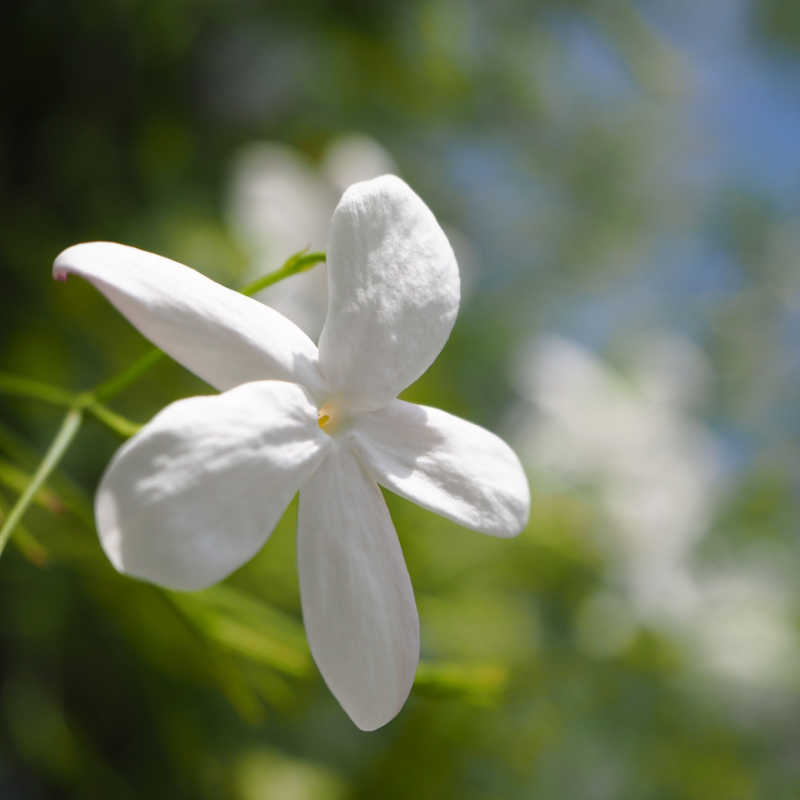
[393, 292]
[446, 464]
[220, 335]
[199, 489]
[358, 604]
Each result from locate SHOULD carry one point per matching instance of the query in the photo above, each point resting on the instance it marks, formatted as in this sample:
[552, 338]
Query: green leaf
[26, 543]
[66, 433]
[479, 682]
[248, 627]
[17, 479]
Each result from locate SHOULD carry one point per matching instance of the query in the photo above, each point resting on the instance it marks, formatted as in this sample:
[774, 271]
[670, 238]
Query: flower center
[330, 417]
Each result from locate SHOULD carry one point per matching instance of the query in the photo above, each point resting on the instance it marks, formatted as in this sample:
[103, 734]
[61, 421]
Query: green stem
[25, 387]
[115, 385]
[116, 422]
[69, 427]
[299, 262]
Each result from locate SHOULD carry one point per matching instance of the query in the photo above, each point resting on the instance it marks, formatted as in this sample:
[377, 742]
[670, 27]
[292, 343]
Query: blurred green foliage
[559, 137]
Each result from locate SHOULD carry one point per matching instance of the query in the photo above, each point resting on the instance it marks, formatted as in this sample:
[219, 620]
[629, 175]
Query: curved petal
[358, 604]
[446, 464]
[220, 335]
[198, 490]
[393, 292]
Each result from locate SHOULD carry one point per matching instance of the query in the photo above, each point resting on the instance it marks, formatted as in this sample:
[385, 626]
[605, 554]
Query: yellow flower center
[329, 417]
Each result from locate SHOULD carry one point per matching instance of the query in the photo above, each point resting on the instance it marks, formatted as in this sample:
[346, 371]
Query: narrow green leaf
[17, 479]
[66, 433]
[73, 496]
[26, 543]
[248, 627]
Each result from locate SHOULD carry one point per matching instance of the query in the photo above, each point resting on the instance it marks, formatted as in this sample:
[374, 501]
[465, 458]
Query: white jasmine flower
[198, 490]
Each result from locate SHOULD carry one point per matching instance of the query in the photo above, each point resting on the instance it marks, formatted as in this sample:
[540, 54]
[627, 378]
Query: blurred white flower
[198, 490]
[655, 471]
[277, 205]
[352, 158]
[280, 202]
[744, 628]
[630, 439]
[277, 202]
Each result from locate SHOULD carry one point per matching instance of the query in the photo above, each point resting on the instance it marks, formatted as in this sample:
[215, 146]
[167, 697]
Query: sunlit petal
[447, 465]
[220, 335]
[199, 489]
[393, 292]
[358, 604]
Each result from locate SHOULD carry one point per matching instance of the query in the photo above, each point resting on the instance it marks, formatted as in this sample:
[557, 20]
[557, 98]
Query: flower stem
[116, 422]
[69, 428]
[115, 385]
[26, 387]
[299, 262]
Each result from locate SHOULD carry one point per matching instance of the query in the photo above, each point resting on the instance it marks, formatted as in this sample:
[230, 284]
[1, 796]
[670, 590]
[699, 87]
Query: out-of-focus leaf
[63, 438]
[479, 683]
[248, 627]
[16, 479]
